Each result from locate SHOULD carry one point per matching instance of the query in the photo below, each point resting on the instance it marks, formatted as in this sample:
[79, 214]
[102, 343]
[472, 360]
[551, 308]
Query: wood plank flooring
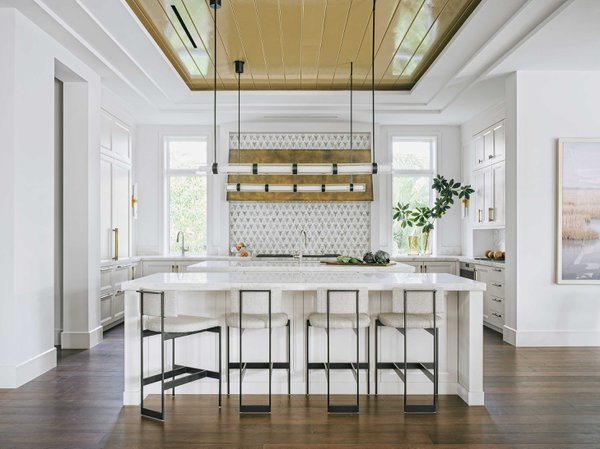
[535, 398]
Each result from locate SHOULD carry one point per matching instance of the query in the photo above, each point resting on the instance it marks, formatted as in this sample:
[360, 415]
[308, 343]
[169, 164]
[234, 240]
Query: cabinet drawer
[495, 304]
[105, 274]
[495, 274]
[496, 318]
[105, 309]
[118, 305]
[495, 288]
[121, 274]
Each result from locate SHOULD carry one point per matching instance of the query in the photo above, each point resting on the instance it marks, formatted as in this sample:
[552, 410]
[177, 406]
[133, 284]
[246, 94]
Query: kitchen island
[208, 294]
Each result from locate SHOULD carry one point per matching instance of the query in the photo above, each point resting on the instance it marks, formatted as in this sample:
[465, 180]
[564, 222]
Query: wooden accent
[300, 156]
[335, 262]
[304, 44]
[535, 398]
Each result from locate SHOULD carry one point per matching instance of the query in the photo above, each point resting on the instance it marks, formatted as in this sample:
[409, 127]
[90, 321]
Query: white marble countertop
[295, 281]
[255, 265]
[201, 258]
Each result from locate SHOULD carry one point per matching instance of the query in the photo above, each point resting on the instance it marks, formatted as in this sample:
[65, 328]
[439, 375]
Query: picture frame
[578, 211]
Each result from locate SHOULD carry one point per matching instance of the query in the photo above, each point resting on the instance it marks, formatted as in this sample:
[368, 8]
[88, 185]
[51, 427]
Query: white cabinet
[489, 185]
[489, 177]
[428, 266]
[493, 297]
[166, 266]
[111, 294]
[115, 137]
[115, 189]
[489, 145]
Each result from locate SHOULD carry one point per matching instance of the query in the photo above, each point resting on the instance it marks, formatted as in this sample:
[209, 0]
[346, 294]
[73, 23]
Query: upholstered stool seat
[181, 324]
[339, 320]
[413, 320]
[257, 320]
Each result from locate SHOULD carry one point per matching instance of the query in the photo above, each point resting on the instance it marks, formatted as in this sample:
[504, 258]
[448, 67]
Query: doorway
[58, 210]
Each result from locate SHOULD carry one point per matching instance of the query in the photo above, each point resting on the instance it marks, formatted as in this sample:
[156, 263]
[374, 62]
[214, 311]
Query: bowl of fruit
[240, 250]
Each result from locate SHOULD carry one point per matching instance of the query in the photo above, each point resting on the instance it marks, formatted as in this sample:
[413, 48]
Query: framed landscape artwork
[578, 221]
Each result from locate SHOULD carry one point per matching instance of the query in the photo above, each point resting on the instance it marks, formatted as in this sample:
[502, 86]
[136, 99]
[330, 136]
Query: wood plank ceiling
[303, 44]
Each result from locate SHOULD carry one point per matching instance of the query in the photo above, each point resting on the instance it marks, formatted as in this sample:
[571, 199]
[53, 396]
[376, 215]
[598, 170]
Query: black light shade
[215, 4]
[239, 66]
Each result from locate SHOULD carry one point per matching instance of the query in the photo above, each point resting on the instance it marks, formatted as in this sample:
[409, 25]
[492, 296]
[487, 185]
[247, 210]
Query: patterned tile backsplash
[300, 141]
[274, 228]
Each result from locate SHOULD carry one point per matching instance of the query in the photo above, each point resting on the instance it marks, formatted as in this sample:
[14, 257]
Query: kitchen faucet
[303, 239]
[183, 248]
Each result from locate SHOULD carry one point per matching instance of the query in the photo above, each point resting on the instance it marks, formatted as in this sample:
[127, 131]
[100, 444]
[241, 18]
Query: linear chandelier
[349, 168]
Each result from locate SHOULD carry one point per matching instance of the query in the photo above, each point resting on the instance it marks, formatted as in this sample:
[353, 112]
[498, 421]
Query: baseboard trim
[15, 376]
[509, 335]
[81, 340]
[574, 338]
[471, 397]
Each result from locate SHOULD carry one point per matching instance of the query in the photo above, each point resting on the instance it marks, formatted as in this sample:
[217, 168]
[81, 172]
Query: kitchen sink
[313, 256]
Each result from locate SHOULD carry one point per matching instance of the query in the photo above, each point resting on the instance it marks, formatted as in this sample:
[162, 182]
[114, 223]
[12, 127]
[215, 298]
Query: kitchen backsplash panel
[274, 228]
[300, 141]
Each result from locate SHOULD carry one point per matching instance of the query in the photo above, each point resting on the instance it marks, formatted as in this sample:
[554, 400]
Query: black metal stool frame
[327, 366]
[243, 366]
[400, 368]
[193, 374]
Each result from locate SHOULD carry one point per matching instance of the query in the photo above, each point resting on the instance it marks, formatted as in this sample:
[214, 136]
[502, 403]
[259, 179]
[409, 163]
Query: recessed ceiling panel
[302, 44]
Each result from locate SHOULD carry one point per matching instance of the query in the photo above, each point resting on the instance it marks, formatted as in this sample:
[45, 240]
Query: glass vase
[425, 244]
[413, 245]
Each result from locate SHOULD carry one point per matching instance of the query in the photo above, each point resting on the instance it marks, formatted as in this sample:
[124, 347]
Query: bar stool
[336, 309]
[251, 315]
[158, 316]
[420, 311]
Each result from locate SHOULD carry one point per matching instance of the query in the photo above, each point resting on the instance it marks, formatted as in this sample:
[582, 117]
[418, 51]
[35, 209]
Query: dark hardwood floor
[535, 398]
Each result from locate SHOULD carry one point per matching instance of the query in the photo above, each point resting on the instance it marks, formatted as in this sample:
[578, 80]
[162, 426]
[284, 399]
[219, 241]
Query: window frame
[168, 173]
[431, 173]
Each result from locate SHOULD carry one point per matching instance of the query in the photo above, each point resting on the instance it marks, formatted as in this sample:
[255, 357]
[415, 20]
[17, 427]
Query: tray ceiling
[303, 44]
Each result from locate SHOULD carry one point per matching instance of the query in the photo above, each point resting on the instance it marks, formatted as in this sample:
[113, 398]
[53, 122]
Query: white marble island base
[207, 294]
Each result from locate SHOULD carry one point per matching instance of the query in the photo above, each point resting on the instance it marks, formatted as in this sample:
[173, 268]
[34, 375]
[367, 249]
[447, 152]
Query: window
[186, 193]
[413, 165]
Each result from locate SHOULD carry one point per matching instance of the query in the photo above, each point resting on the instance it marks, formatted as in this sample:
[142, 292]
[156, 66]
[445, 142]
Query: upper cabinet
[489, 146]
[489, 178]
[115, 189]
[115, 138]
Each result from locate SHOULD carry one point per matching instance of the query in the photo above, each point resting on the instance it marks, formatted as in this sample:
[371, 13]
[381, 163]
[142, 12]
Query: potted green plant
[424, 217]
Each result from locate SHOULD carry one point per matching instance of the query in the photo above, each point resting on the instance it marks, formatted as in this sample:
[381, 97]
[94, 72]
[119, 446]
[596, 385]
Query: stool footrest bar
[259, 365]
[255, 408]
[342, 408]
[152, 414]
[427, 408]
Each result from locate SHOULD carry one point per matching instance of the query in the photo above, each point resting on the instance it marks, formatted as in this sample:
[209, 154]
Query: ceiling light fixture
[303, 168]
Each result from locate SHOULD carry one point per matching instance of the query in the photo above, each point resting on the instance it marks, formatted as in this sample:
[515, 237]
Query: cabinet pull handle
[479, 215]
[497, 315]
[491, 214]
[491, 156]
[116, 231]
[499, 270]
[479, 161]
[496, 300]
[495, 284]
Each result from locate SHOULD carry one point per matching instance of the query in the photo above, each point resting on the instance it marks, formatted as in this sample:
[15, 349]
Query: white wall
[541, 107]
[27, 200]
[148, 162]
